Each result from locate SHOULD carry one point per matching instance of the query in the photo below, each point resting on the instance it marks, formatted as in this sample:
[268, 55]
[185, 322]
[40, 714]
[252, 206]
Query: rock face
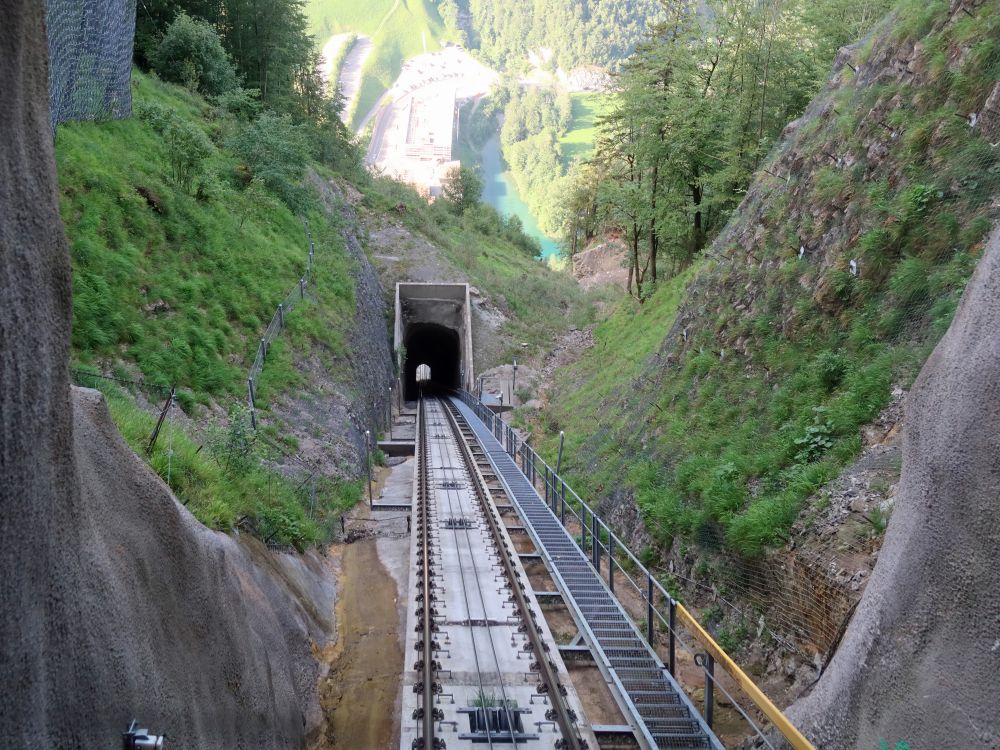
[193, 632]
[329, 415]
[36, 468]
[117, 603]
[919, 660]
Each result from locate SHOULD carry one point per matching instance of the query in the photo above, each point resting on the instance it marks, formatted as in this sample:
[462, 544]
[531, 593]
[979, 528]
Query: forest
[695, 111]
[591, 32]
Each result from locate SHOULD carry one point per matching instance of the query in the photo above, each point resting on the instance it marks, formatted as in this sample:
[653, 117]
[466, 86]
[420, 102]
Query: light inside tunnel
[435, 347]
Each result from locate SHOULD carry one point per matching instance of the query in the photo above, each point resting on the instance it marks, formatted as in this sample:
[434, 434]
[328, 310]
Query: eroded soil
[358, 695]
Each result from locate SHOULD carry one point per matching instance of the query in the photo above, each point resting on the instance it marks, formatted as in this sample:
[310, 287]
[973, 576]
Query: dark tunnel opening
[437, 347]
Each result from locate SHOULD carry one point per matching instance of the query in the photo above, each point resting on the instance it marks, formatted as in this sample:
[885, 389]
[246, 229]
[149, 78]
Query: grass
[179, 285]
[222, 495]
[722, 429]
[578, 142]
[177, 288]
[540, 302]
[399, 30]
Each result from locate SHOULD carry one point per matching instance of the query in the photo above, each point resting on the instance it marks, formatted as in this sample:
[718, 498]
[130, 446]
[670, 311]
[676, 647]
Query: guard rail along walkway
[647, 689]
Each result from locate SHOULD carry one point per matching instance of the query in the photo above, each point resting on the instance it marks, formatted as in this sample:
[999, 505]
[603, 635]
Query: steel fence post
[709, 688]
[595, 533]
[611, 562]
[650, 610]
[672, 625]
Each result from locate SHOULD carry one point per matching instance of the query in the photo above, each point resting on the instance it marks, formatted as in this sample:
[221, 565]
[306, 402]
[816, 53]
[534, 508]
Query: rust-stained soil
[358, 695]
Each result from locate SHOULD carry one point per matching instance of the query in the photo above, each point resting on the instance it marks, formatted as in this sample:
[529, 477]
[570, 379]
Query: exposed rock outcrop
[918, 662]
[117, 603]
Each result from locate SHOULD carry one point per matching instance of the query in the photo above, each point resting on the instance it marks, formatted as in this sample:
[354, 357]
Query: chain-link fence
[90, 59]
[294, 297]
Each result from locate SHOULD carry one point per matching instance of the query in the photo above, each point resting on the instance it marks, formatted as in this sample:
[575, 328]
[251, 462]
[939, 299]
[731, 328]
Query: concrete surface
[397, 490]
[433, 326]
[203, 636]
[479, 633]
[38, 497]
[919, 661]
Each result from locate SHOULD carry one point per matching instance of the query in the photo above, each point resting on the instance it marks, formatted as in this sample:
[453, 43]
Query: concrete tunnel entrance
[433, 328]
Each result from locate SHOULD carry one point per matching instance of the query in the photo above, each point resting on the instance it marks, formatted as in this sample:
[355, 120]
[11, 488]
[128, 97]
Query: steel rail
[552, 480]
[428, 650]
[472, 630]
[571, 739]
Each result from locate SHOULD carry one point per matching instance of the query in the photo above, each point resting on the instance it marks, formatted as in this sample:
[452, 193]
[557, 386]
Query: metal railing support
[611, 563]
[672, 615]
[595, 533]
[707, 663]
[650, 612]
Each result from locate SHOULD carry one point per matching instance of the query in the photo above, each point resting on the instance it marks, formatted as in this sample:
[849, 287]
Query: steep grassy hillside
[398, 30]
[174, 283]
[181, 282]
[179, 261]
[838, 273]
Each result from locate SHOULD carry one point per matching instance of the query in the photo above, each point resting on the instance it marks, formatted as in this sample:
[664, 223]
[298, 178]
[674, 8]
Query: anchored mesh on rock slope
[90, 59]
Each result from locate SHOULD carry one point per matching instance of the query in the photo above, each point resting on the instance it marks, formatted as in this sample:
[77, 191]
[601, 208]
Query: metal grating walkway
[665, 715]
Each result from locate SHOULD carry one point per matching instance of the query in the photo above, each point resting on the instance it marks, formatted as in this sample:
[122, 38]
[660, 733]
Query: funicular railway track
[481, 649]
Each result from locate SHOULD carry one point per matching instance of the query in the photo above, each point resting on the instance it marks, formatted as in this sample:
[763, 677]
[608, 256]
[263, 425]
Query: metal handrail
[556, 489]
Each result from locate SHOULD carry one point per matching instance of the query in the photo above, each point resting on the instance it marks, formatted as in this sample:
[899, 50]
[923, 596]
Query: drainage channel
[485, 669]
[662, 714]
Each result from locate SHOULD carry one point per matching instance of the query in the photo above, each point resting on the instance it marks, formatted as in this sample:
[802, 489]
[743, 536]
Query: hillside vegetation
[590, 33]
[186, 230]
[178, 265]
[398, 30]
[744, 389]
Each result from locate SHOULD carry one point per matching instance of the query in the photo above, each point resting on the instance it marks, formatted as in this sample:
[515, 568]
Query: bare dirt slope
[919, 661]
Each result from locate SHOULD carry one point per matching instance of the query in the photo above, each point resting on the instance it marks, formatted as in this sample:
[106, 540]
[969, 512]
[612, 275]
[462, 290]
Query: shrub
[817, 439]
[191, 53]
[244, 104]
[274, 151]
[187, 145]
[830, 368]
[462, 188]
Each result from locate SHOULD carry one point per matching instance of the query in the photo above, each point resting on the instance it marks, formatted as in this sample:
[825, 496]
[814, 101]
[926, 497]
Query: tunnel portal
[433, 328]
[437, 347]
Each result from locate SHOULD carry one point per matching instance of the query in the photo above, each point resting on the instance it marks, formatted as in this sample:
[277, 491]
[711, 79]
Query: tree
[462, 188]
[191, 53]
[695, 111]
[274, 152]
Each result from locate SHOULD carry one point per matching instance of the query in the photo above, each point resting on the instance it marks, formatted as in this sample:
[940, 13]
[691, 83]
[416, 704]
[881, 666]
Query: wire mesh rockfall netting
[90, 59]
